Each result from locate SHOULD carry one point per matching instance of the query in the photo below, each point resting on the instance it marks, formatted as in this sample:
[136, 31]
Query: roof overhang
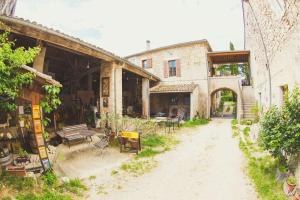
[226, 57]
[41, 77]
[55, 37]
[179, 88]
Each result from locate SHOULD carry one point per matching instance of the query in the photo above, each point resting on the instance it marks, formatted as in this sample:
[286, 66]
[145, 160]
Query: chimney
[148, 45]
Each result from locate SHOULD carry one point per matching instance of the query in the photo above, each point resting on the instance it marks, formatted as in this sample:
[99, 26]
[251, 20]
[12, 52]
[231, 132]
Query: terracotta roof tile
[163, 88]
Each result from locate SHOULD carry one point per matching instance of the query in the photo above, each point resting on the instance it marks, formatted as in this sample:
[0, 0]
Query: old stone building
[188, 79]
[272, 34]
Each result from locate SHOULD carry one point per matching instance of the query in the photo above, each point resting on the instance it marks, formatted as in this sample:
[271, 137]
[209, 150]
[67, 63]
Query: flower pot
[296, 196]
[290, 187]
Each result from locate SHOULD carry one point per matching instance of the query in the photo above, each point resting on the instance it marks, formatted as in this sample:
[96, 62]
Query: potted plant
[291, 184]
[296, 196]
[23, 157]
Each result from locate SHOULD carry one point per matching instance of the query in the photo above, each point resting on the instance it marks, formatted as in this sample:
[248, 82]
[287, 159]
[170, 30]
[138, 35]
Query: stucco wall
[193, 63]
[275, 24]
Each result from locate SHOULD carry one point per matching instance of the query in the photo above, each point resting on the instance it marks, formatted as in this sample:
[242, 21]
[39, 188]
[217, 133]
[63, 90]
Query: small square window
[145, 64]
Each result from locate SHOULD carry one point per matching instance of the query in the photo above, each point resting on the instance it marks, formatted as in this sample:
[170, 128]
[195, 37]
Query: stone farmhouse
[189, 80]
[179, 79]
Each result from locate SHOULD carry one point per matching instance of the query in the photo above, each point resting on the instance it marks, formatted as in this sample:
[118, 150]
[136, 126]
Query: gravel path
[207, 164]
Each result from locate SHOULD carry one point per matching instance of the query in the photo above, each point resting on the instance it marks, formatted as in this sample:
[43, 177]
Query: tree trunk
[7, 7]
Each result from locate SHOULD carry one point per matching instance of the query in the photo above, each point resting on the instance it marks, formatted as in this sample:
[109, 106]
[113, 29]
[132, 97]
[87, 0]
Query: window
[147, 63]
[172, 68]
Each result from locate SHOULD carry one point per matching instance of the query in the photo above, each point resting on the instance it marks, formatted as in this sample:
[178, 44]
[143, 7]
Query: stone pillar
[38, 62]
[146, 97]
[111, 104]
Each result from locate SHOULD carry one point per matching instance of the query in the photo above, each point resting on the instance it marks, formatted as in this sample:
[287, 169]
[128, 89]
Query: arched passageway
[223, 103]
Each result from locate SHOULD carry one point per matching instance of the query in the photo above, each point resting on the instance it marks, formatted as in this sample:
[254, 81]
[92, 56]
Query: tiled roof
[163, 88]
[36, 25]
[204, 41]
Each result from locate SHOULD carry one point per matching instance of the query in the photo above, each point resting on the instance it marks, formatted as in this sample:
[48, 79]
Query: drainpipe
[264, 46]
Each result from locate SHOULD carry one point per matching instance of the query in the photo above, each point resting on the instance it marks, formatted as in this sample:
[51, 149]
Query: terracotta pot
[290, 187]
[296, 196]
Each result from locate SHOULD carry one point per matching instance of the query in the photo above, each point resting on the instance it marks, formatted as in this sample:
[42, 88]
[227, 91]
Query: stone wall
[272, 34]
[275, 23]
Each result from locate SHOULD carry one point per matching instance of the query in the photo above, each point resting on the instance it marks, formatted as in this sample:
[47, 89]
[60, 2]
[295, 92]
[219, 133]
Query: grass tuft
[194, 123]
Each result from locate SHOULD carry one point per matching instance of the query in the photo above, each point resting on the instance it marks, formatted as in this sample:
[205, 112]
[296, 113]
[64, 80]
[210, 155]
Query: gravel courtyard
[207, 164]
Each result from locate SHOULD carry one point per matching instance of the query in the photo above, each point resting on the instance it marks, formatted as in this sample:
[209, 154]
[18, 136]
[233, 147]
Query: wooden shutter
[149, 63]
[178, 68]
[166, 71]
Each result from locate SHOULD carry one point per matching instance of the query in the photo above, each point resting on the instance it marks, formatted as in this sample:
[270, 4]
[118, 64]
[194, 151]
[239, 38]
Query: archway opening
[223, 103]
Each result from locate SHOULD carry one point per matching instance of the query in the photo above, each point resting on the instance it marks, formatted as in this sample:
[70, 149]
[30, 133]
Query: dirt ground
[207, 164]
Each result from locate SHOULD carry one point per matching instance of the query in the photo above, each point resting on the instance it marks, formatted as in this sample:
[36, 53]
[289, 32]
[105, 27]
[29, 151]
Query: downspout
[265, 50]
[208, 94]
[115, 100]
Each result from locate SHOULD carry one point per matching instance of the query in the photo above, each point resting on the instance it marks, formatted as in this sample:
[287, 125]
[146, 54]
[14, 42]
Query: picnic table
[75, 133]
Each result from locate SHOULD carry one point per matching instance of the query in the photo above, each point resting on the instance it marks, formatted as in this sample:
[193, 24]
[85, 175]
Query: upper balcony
[230, 64]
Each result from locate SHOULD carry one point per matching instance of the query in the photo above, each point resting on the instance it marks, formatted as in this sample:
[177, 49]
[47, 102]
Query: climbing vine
[49, 103]
[12, 76]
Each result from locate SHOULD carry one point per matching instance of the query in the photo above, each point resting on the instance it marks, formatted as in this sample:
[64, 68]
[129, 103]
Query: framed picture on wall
[105, 87]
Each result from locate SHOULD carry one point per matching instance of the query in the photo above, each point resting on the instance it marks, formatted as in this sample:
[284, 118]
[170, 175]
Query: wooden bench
[75, 133]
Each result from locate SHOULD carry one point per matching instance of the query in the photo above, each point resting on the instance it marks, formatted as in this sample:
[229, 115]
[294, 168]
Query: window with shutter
[178, 68]
[147, 63]
[172, 68]
[166, 71]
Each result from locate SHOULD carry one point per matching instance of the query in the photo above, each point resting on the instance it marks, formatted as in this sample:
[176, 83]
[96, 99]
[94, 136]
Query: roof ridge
[171, 46]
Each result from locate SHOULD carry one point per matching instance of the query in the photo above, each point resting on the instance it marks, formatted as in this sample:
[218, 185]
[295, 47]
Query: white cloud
[123, 26]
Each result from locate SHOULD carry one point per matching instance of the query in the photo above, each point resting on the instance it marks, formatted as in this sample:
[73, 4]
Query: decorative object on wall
[105, 102]
[105, 87]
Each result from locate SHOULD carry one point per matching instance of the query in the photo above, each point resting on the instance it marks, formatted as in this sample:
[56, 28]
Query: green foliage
[46, 195]
[262, 171]
[22, 153]
[291, 180]
[247, 122]
[255, 110]
[17, 183]
[148, 152]
[146, 126]
[246, 131]
[139, 167]
[51, 100]
[280, 128]
[155, 144]
[154, 140]
[50, 178]
[12, 77]
[75, 186]
[49, 103]
[234, 122]
[194, 123]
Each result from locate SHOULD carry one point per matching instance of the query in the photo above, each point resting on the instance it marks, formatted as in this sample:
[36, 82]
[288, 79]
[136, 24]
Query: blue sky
[123, 26]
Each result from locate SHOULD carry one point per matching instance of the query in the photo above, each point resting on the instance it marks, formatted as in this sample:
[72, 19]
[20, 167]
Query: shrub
[75, 186]
[50, 178]
[280, 129]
